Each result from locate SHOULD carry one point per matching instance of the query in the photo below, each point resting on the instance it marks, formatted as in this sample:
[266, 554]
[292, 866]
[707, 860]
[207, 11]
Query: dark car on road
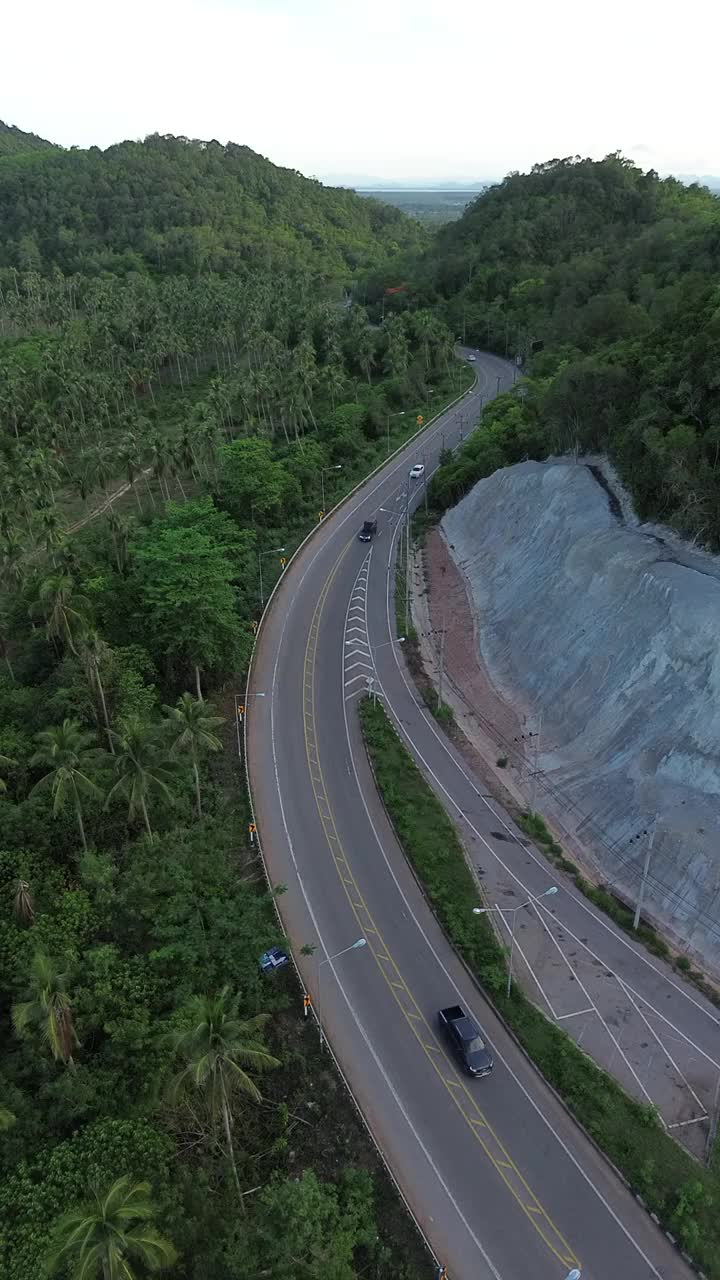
[368, 531]
[465, 1041]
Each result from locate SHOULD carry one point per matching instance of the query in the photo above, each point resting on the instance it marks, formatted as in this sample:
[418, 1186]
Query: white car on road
[417, 471]
[472, 359]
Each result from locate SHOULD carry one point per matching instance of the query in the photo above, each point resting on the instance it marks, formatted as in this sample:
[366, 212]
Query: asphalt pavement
[501, 1181]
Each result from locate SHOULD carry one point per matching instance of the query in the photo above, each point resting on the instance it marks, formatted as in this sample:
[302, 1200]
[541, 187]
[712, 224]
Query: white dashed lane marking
[358, 665]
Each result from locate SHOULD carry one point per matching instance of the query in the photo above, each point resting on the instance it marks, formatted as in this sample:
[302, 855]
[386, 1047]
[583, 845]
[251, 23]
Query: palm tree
[193, 732]
[102, 463]
[47, 1009]
[333, 378]
[5, 760]
[7, 1119]
[50, 527]
[94, 651]
[140, 769]
[67, 750]
[64, 610]
[217, 1044]
[397, 352]
[5, 630]
[129, 459]
[105, 1236]
[158, 460]
[425, 330]
[365, 352]
[120, 534]
[23, 902]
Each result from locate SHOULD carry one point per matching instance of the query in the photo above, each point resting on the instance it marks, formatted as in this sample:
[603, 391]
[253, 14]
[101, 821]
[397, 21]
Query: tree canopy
[605, 281]
[180, 205]
[14, 141]
[181, 384]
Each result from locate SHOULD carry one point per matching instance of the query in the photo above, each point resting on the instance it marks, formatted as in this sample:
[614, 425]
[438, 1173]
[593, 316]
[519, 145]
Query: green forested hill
[13, 141]
[172, 205]
[606, 280]
[182, 392]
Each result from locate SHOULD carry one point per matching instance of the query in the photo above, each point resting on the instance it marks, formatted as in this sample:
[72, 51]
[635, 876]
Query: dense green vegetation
[13, 141]
[162, 1106]
[172, 205]
[182, 391]
[606, 280]
[681, 1193]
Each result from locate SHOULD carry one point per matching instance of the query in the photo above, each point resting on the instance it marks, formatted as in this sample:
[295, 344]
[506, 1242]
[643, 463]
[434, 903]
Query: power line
[624, 865]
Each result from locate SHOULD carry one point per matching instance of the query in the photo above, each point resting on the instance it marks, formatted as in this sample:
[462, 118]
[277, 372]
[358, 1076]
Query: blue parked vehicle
[274, 958]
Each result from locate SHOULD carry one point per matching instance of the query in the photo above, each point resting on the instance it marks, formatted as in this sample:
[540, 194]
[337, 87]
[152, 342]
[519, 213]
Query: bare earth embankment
[578, 635]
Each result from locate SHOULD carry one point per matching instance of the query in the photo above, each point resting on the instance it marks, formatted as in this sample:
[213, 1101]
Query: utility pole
[407, 564]
[646, 868]
[497, 393]
[260, 554]
[510, 958]
[535, 770]
[442, 664]
[712, 1131]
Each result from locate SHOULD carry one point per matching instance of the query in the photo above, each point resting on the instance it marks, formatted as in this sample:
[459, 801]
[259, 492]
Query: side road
[635, 1015]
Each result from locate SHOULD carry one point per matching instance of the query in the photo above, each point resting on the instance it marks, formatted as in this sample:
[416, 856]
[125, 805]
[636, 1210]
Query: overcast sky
[387, 88]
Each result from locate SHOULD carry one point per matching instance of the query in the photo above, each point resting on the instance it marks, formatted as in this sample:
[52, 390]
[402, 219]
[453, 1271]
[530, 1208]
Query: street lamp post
[322, 480]
[360, 942]
[399, 414]
[385, 643]
[643, 881]
[273, 551]
[481, 911]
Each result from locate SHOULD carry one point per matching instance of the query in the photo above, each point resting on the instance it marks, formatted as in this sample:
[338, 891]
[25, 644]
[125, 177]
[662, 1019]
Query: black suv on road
[466, 1041]
[368, 531]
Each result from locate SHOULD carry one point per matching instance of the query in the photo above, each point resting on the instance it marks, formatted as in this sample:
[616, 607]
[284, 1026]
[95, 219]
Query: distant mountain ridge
[14, 141]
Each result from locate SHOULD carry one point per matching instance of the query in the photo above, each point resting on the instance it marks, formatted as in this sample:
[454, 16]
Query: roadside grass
[413, 657]
[683, 1195]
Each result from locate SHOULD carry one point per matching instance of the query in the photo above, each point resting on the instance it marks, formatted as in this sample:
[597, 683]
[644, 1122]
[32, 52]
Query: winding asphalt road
[500, 1180]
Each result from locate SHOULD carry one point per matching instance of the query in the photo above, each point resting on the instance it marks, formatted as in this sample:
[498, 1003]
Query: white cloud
[387, 87]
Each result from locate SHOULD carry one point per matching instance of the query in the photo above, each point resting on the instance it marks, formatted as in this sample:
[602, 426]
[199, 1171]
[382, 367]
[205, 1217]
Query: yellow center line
[456, 1088]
